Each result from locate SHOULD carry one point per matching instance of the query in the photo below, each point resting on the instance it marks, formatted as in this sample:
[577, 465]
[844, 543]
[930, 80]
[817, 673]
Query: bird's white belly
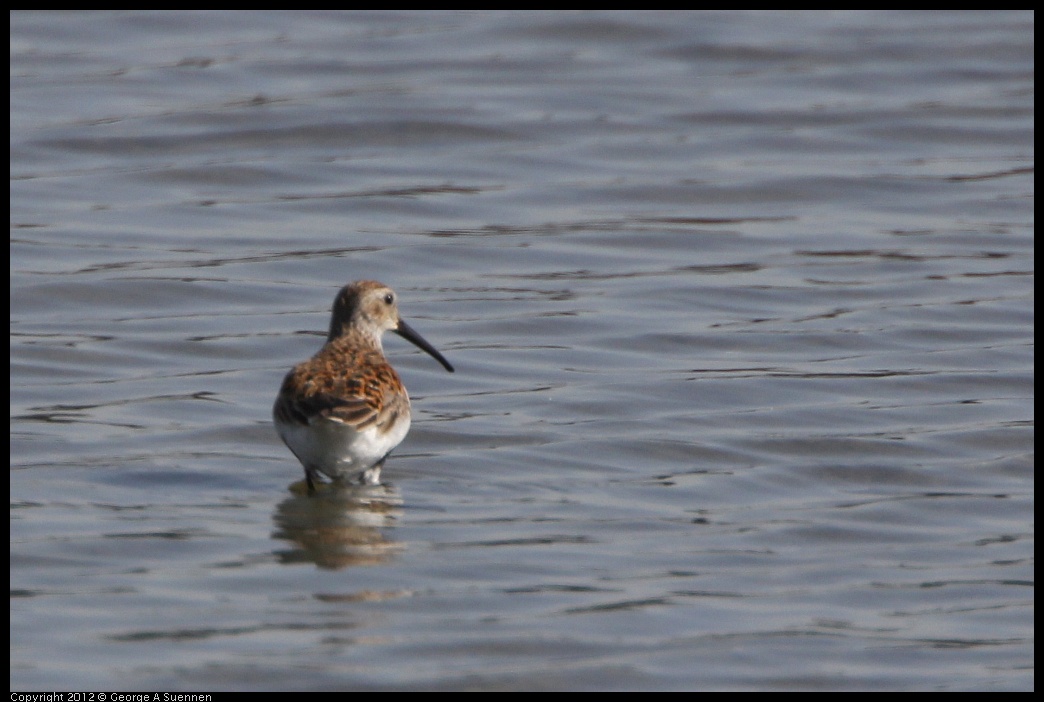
[338, 451]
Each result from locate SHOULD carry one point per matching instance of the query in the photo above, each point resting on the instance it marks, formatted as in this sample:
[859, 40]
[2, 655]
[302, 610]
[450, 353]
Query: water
[741, 306]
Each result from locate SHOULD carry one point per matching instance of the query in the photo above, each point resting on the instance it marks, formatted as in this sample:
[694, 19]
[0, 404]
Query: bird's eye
[389, 298]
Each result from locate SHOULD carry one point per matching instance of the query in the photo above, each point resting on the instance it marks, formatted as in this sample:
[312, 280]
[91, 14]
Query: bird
[342, 411]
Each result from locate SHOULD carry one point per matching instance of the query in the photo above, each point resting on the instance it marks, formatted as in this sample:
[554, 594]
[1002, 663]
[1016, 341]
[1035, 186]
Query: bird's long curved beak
[407, 332]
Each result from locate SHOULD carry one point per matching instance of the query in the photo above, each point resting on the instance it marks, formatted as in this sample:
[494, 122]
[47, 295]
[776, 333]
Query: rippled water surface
[741, 306]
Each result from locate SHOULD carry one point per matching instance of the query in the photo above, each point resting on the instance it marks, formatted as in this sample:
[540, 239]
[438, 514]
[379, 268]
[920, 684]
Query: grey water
[740, 303]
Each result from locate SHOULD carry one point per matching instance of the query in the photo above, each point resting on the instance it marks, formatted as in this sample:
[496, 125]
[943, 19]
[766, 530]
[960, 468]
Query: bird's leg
[372, 475]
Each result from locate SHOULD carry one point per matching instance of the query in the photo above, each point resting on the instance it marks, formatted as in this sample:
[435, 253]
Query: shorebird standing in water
[342, 411]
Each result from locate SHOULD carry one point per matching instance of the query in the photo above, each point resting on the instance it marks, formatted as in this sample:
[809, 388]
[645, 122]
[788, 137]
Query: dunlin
[342, 411]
